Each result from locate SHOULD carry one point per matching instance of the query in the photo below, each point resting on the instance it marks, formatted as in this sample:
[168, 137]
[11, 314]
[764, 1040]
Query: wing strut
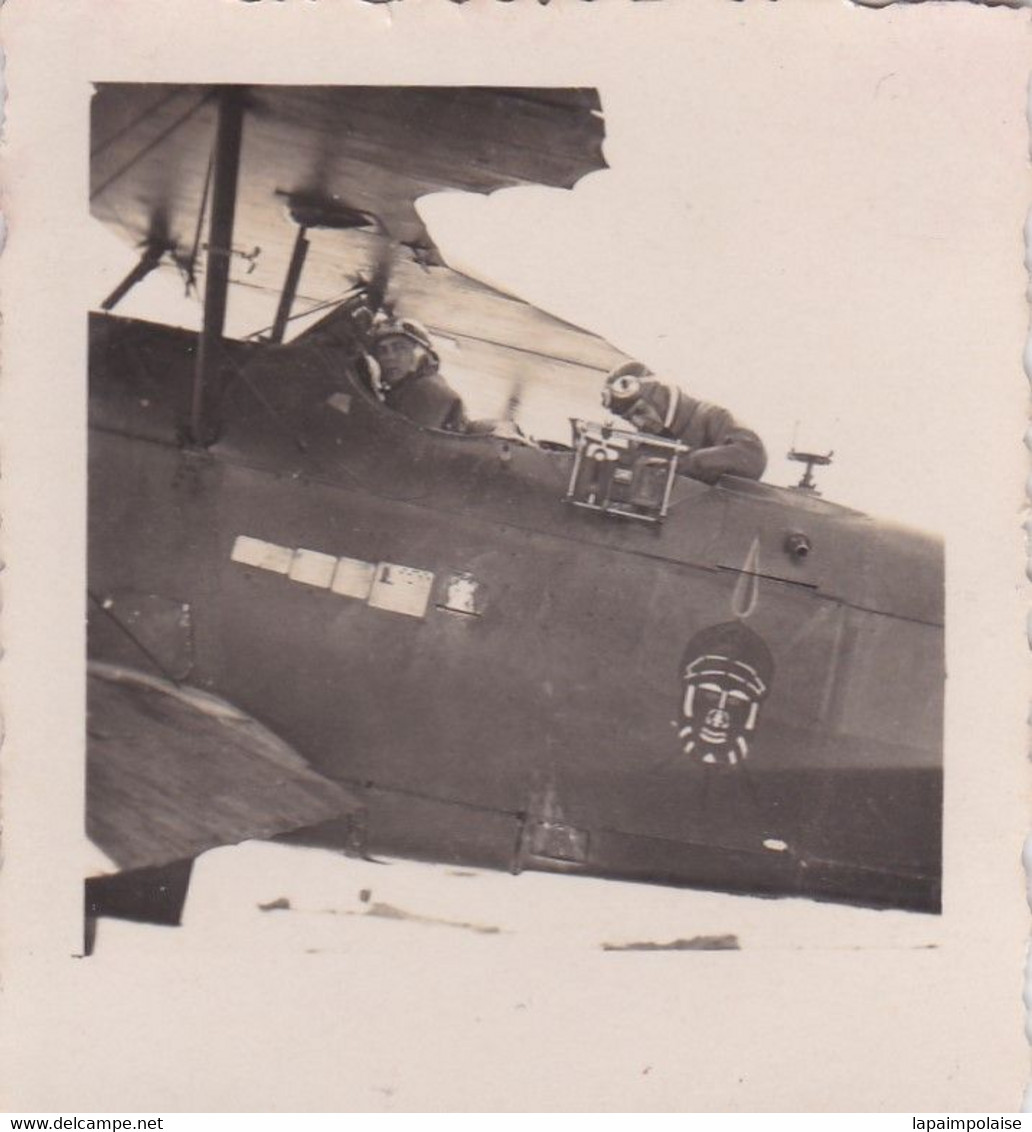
[207, 376]
[297, 262]
[150, 259]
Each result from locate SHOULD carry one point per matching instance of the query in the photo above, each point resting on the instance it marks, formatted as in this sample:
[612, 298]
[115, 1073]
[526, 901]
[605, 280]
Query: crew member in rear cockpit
[404, 372]
[719, 444]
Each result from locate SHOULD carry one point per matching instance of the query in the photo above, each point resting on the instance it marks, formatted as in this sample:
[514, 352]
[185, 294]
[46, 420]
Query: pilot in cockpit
[718, 444]
[404, 373]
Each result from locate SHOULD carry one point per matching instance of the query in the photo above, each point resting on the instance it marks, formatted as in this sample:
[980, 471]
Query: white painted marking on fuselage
[339, 401]
[461, 594]
[401, 589]
[313, 568]
[746, 595]
[386, 585]
[262, 555]
[353, 578]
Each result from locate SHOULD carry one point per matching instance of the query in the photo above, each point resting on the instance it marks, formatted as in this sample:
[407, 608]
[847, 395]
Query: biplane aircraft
[311, 617]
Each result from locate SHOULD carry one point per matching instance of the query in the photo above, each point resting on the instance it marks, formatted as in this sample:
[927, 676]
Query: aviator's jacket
[719, 444]
[426, 399]
[429, 401]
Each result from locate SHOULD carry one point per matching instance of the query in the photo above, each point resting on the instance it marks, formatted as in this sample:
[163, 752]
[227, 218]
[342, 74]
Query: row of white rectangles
[382, 585]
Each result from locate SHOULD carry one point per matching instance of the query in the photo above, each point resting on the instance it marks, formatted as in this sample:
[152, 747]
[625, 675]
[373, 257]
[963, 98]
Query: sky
[833, 278]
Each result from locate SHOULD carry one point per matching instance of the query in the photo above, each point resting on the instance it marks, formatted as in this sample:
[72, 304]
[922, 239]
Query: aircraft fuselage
[509, 680]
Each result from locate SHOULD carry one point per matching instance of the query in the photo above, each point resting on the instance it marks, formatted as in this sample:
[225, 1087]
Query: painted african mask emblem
[726, 672]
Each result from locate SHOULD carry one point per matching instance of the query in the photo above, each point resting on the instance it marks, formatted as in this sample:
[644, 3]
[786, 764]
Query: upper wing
[359, 156]
[373, 149]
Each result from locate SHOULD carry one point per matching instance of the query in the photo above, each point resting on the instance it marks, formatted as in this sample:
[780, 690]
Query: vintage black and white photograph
[405, 565]
[540, 561]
